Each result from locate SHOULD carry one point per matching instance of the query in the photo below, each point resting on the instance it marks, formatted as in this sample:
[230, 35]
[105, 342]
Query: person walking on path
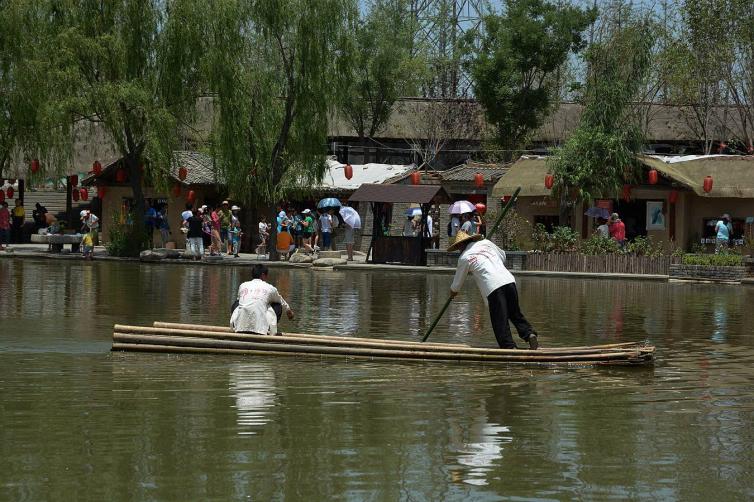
[19, 215]
[235, 231]
[264, 234]
[225, 224]
[603, 230]
[307, 230]
[4, 226]
[617, 229]
[486, 262]
[194, 236]
[468, 224]
[164, 225]
[325, 226]
[349, 241]
[216, 225]
[724, 230]
[259, 305]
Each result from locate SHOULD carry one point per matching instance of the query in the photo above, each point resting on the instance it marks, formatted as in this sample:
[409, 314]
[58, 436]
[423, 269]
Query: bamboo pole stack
[186, 338]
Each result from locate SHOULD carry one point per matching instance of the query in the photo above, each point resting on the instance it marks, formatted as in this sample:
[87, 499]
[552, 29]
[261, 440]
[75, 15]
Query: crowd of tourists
[211, 230]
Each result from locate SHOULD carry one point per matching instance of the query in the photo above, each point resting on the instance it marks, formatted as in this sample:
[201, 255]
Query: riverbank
[39, 251]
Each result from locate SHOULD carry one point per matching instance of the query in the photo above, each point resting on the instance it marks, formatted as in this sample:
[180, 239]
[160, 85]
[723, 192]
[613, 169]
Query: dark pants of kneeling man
[504, 307]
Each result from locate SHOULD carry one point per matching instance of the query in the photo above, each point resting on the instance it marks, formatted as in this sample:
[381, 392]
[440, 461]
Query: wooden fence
[605, 264]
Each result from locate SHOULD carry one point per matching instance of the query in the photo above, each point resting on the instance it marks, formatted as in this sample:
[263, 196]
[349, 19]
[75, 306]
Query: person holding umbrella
[352, 221]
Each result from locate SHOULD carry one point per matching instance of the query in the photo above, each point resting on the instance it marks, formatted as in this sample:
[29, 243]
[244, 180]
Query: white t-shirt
[263, 227]
[603, 230]
[408, 229]
[92, 222]
[252, 313]
[429, 225]
[325, 223]
[455, 224]
[486, 262]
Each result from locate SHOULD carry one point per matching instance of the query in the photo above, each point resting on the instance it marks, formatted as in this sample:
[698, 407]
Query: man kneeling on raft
[486, 261]
[259, 306]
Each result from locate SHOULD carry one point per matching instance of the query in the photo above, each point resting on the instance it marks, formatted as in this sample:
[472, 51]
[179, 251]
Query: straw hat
[462, 237]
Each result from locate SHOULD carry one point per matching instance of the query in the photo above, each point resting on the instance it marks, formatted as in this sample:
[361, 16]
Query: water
[80, 422]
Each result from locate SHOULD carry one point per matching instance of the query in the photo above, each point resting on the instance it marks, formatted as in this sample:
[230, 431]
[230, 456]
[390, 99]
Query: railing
[605, 264]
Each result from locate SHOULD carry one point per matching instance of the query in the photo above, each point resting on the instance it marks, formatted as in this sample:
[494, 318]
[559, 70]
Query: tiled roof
[466, 172]
[335, 177]
[200, 170]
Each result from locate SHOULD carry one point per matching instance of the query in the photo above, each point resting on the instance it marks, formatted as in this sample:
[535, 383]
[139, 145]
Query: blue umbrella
[598, 212]
[328, 202]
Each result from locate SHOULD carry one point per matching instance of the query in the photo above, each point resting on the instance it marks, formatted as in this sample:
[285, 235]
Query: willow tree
[131, 68]
[600, 155]
[273, 67]
[26, 31]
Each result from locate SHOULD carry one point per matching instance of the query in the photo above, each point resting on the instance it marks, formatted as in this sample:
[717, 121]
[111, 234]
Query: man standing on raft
[259, 306]
[486, 261]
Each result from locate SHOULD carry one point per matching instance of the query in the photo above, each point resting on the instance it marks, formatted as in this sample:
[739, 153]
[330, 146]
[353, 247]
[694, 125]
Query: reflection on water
[78, 419]
[253, 386]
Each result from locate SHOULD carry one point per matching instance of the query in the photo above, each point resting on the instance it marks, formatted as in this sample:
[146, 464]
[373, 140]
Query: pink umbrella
[461, 206]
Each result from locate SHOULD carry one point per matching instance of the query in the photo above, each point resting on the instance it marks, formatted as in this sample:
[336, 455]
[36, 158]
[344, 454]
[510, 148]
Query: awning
[420, 194]
[732, 175]
[527, 173]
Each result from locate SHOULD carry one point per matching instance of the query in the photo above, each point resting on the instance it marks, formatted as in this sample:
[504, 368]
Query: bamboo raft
[191, 338]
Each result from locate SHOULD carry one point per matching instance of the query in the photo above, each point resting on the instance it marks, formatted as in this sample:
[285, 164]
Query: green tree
[25, 87]
[131, 68]
[600, 156]
[514, 61]
[274, 67]
[382, 66]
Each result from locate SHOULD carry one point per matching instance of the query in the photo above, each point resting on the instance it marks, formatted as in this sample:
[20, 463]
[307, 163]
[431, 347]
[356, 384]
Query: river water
[80, 422]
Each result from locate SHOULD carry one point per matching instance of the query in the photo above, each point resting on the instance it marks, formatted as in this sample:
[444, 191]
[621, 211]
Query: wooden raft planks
[167, 337]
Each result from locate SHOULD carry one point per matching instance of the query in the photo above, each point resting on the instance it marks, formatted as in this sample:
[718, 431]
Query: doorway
[634, 216]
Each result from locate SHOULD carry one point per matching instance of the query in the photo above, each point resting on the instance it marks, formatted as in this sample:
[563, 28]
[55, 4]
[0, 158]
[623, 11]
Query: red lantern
[348, 171]
[10, 192]
[480, 208]
[101, 192]
[549, 181]
[84, 194]
[97, 168]
[176, 190]
[75, 194]
[478, 180]
[652, 176]
[707, 184]
[73, 180]
[627, 193]
[673, 197]
[190, 197]
[34, 166]
[120, 175]
[182, 173]
[416, 178]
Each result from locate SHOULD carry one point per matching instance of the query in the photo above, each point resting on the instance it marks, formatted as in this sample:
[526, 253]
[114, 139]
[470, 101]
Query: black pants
[504, 307]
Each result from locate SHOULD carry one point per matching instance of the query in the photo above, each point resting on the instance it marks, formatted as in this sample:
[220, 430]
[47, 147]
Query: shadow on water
[79, 419]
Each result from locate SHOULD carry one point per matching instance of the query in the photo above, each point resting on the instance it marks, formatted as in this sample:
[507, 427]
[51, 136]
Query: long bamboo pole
[174, 341]
[364, 343]
[225, 329]
[489, 236]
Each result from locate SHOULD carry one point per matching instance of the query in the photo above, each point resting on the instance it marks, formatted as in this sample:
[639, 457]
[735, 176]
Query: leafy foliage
[383, 65]
[597, 245]
[714, 260]
[601, 154]
[125, 238]
[511, 63]
[273, 67]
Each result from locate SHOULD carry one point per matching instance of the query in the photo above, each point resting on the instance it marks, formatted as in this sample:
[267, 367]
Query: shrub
[598, 245]
[125, 239]
[643, 246]
[714, 260]
[563, 240]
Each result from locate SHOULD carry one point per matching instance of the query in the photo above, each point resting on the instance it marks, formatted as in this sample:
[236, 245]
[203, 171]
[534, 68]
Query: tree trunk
[134, 177]
[271, 244]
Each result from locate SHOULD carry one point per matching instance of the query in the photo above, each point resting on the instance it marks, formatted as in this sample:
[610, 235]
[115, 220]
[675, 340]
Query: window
[709, 234]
